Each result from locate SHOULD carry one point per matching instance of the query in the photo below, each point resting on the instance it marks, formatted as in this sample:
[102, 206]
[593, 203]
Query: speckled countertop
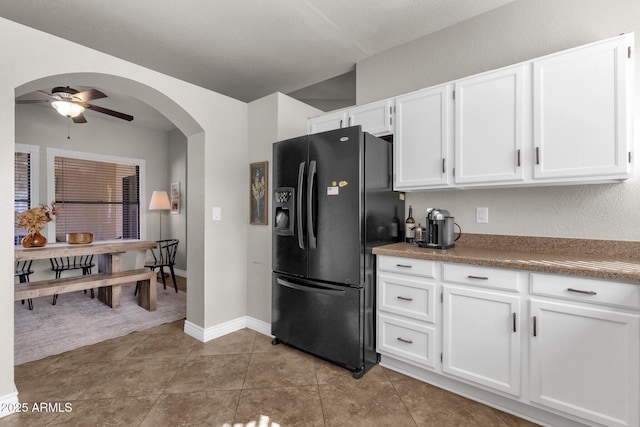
[612, 260]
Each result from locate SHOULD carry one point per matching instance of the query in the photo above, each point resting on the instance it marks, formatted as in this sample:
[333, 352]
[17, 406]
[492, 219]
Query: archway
[195, 142]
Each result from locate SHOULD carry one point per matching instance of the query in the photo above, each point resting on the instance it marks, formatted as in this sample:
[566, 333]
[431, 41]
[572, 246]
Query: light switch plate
[217, 213]
[482, 215]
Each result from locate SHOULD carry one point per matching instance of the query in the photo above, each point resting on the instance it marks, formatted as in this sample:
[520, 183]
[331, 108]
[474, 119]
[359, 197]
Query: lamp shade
[68, 109]
[159, 201]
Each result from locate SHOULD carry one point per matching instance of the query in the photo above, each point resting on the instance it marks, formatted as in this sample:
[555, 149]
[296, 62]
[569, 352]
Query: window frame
[34, 174]
[53, 152]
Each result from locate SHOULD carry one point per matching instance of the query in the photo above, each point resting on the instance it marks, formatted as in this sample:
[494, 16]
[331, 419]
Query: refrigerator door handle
[299, 205]
[315, 289]
[310, 220]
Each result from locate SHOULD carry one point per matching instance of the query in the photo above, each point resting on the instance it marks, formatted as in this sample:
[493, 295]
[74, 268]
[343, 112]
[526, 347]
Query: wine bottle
[410, 227]
[419, 234]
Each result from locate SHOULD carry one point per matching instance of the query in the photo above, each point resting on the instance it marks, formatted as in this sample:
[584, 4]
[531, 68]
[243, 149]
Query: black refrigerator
[332, 203]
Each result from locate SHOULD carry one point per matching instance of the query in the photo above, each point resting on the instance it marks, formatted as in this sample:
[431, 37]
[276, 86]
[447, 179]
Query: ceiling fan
[72, 103]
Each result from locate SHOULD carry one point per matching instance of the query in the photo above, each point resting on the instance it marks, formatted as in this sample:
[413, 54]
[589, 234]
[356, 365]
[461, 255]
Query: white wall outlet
[217, 213]
[482, 215]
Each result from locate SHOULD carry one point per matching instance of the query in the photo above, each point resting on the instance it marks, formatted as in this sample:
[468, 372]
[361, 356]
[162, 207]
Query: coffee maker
[439, 233]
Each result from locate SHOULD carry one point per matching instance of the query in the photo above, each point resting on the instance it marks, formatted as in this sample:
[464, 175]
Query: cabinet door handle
[578, 291]
[403, 266]
[404, 298]
[404, 340]
[478, 277]
[349, 120]
[537, 155]
[444, 170]
[340, 123]
[518, 156]
[535, 326]
[514, 322]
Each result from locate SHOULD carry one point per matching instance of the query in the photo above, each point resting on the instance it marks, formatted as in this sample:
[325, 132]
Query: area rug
[77, 320]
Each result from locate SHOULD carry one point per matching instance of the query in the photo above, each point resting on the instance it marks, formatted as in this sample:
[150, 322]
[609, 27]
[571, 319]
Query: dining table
[108, 252]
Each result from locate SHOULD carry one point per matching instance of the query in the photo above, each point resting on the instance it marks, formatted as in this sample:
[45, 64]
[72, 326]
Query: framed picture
[175, 206]
[175, 190]
[258, 193]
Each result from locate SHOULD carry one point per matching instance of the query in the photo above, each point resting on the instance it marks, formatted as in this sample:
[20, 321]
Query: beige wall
[516, 32]
[272, 118]
[216, 128]
[43, 127]
[177, 172]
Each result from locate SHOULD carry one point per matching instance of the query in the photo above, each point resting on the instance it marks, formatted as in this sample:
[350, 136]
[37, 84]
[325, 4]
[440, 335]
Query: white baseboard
[506, 404]
[9, 404]
[208, 334]
[181, 273]
[259, 326]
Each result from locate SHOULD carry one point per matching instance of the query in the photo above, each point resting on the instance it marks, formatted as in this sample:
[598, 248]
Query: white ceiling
[245, 49]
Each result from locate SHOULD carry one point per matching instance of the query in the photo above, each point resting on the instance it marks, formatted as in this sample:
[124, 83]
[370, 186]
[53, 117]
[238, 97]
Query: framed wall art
[175, 206]
[175, 190]
[258, 193]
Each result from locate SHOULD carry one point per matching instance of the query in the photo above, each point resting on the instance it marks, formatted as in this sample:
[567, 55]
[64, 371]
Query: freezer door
[319, 318]
[334, 206]
[289, 253]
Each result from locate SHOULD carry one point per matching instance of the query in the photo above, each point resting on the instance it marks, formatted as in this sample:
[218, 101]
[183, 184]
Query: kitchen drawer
[485, 277]
[407, 296]
[413, 342]
[595, 291]
[416, 267]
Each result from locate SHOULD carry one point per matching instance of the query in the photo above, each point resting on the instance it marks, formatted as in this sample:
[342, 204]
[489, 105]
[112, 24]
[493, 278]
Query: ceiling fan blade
[32, 101]
[122, 116]
[89, 95]
[48, 94]
[79, 118]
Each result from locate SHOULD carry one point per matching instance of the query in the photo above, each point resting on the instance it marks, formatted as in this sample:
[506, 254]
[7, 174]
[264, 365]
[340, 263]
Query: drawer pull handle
[404, 340]
[478, 277]
[403, 266]
[582, 292]
[404, 298]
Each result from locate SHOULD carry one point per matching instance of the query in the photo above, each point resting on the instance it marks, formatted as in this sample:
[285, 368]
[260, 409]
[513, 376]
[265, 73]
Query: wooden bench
[109, 285]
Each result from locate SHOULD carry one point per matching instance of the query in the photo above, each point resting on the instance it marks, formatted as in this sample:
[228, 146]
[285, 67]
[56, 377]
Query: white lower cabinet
[411, 341]
[406, 302]
[584, 361]
[563, 351]
[481, 337]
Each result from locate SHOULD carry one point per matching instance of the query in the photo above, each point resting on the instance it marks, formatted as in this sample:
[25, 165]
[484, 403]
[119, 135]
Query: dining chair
[80, 262]
[23, 271]
[163, 256]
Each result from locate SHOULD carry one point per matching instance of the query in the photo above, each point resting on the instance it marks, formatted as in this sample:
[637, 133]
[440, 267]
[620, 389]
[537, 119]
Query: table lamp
[160, 202]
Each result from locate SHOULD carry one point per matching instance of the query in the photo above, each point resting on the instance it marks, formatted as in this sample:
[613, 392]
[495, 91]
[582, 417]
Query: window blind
[22, 192]
[96, 197]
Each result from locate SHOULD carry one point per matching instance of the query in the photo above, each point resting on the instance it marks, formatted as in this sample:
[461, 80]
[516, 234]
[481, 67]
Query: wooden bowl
[79, 238]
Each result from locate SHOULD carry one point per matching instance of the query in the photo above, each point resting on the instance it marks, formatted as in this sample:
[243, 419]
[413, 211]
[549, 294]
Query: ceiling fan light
[68, 109]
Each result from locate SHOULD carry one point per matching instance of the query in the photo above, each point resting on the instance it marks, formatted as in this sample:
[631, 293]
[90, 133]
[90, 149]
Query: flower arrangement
[257, 190]
[36, 218]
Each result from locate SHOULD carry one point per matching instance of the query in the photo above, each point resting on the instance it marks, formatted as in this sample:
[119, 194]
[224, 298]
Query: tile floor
[163, 377]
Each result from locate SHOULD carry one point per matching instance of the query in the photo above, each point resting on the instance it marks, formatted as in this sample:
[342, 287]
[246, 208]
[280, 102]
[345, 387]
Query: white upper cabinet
[489, 126]
[564, 118]
[330, 121]
[375, 118]
[581, 111]
[421, 140]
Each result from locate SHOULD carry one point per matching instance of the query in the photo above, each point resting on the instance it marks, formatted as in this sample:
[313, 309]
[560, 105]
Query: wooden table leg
[110, 295]
[147, 294]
